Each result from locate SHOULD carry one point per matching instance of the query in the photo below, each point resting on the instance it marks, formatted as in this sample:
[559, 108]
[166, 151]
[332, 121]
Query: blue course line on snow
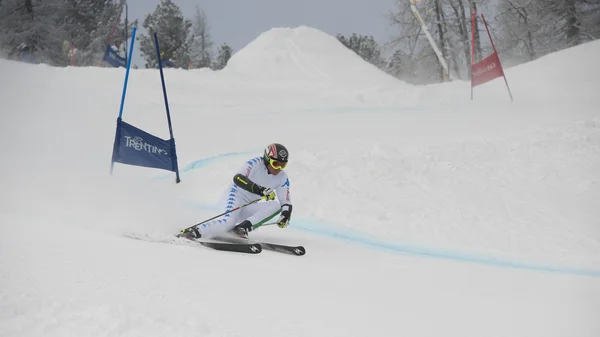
[204, 161]
[315, 227]
[325, 230]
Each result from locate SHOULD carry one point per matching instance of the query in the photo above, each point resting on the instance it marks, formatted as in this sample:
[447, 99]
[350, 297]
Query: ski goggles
[278, 165]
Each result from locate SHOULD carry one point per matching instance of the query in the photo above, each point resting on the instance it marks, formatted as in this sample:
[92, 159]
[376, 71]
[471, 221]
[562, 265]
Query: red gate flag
[490, 67]
[486, 70]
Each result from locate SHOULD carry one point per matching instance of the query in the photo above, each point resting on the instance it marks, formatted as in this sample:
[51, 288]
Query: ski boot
[190, 234]
[242, 229]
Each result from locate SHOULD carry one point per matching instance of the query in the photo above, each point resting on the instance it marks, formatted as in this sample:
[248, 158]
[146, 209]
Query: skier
[117, 47]
[259, 177]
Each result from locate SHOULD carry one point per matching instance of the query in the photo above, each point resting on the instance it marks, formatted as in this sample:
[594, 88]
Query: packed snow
[423, 213]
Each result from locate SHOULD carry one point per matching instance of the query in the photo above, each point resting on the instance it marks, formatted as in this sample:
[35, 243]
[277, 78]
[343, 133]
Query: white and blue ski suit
[256, 171]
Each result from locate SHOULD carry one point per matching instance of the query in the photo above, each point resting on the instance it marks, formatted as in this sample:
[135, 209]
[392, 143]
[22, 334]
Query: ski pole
[216, 216]
[265, 224]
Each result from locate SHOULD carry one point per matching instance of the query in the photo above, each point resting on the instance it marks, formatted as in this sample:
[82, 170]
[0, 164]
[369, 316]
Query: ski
[238, 247]
[275, 247]
[249, 248]
[294, 250]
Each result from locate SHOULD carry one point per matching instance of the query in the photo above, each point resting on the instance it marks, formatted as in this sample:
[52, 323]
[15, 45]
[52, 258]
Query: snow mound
[582, 61]
[304, 53]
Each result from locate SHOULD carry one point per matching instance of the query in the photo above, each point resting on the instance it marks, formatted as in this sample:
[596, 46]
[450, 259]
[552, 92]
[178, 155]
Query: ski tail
[238, 247]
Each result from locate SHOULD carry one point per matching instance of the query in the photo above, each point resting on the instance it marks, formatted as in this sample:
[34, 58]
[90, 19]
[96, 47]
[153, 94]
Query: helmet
[276, 155]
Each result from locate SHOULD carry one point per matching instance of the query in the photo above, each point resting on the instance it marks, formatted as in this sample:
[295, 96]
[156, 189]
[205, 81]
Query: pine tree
[223, 56]
[395, 66]
[201, 41]
[89, 25]
[50, 28]
[35, 26]
[365, 46]
[173, 35]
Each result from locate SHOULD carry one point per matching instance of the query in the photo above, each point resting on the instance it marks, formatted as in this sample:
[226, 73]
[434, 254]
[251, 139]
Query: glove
[286, 215]
[267, 193]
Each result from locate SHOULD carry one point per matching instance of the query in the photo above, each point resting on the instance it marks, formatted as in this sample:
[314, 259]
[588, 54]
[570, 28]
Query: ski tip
[293, 250]
[299, 250]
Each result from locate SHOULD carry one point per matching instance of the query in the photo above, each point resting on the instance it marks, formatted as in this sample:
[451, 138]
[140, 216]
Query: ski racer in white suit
[259, 177]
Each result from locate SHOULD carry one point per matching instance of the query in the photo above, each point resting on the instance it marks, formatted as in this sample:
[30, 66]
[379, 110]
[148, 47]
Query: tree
[223, 57]
[449, 22]
[50, 27]
[172, 30]
[201, 41]
[89, 24]
[364, 46]
[419, 56]
[518, 21]
[530, 29]
[522, 30]
[572, 22]
[441, 25]
[35, 26]
[395, 66]
[461, 24]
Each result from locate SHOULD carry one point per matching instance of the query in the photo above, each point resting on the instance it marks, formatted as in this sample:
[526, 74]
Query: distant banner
[112, 58]
[486, 70]
[134, 146]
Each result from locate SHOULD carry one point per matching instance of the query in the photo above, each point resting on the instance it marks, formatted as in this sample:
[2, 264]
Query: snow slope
[423, 213]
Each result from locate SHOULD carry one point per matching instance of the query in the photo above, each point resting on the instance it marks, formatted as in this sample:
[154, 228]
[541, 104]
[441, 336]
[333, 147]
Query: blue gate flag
[111, 57]
[134, 146]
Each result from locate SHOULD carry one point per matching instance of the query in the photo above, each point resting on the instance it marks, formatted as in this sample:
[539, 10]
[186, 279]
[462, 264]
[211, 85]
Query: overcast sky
[238, 22]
